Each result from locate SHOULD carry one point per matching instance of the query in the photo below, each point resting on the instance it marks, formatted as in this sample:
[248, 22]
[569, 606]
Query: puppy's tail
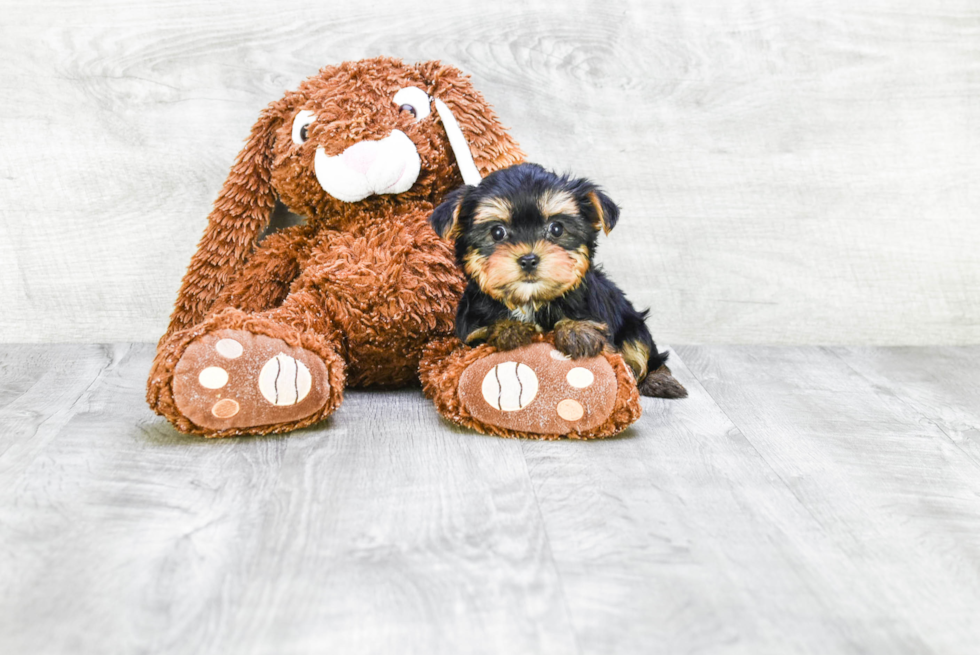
[659, 382]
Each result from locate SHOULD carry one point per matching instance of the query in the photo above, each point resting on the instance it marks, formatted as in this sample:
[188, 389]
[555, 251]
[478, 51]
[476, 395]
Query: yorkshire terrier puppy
[525, 239]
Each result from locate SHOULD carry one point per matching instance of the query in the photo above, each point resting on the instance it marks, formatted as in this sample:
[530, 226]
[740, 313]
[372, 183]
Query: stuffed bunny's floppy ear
[461, 148]
[474, 131]
[241, 211]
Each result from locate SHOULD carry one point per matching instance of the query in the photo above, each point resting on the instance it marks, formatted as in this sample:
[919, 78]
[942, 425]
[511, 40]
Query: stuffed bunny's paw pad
[236, 379]
[538, 389]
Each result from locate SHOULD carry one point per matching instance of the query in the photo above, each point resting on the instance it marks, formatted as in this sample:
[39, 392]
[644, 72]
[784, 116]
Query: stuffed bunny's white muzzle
[391, 165]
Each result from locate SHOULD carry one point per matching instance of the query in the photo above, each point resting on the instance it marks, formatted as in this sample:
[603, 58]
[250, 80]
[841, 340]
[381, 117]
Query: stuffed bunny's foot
[236, 380]
[539, 390]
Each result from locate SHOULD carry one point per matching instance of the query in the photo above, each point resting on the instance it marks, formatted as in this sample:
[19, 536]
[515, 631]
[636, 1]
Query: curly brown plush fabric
[161, 395]
[445, 361]
[362, 286]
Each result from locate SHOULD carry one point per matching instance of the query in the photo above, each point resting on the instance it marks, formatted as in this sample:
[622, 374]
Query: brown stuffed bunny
[268, 329]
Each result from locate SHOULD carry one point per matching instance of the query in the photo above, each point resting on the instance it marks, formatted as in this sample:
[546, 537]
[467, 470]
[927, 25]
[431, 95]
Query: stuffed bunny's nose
[362, 155]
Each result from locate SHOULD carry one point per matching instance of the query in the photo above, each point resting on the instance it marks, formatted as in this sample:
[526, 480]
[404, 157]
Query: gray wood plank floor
[802, 500]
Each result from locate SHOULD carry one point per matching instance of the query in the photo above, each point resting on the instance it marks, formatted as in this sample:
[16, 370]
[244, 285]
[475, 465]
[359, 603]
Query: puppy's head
[525, 235]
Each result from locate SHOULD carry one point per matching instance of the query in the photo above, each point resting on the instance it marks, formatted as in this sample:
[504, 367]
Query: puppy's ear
[241, 211]
[445, 218]
[606, 211]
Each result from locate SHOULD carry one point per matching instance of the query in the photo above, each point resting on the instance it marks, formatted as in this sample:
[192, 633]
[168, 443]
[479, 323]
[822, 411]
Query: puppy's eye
[497, 233]
[301, 126]
[413, 100]
[556, 229]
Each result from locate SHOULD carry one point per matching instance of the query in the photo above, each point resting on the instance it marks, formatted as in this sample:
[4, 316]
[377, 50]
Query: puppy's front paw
[580, 339]
[508, 335]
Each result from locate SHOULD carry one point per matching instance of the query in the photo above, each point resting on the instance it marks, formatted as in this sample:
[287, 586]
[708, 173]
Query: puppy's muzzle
[528, 262]
[391, 165]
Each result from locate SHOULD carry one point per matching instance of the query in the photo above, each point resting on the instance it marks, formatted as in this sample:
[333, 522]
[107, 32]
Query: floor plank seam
[908, 404]
[84, 393]
[758, 452]
[551, 553]
[829, 534]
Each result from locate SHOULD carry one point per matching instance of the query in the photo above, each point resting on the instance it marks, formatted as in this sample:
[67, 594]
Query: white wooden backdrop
[790, 172]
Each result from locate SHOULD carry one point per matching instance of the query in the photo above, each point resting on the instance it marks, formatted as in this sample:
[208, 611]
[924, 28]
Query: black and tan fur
[525, 239]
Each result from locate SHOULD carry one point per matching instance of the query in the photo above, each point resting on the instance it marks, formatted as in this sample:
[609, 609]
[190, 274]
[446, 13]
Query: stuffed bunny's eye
[413, 100]
[301, 126]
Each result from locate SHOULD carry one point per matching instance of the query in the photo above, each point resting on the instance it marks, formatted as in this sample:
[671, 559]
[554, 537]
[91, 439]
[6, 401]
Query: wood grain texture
[681, 537]
[790, 172]
[891, 491]
[383, 531]
[802, 500]
[938, 384]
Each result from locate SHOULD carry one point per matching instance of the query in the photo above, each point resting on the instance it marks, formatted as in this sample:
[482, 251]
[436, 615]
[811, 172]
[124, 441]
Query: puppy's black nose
[528, 262]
